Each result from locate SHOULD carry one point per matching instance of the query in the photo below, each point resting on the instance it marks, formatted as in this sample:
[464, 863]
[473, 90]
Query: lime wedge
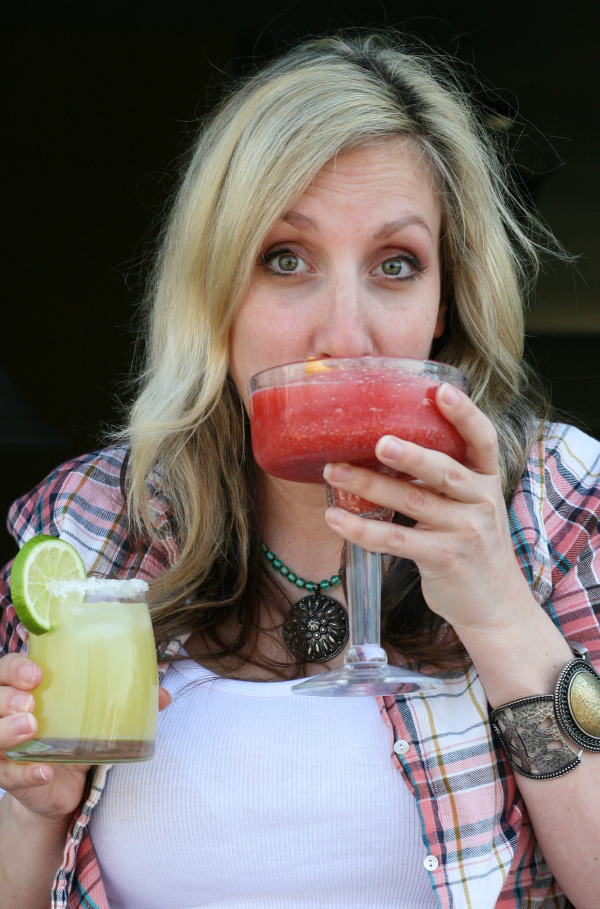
[42, 559]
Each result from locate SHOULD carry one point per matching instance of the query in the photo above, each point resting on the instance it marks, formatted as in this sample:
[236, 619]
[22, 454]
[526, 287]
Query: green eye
[392, 267]
[288, 262]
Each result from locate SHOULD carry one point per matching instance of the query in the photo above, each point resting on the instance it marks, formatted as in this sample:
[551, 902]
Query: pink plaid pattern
[474, 821]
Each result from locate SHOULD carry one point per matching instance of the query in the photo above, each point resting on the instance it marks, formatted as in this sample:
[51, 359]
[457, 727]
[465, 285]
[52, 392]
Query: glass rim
[115, 586]
[428, 367]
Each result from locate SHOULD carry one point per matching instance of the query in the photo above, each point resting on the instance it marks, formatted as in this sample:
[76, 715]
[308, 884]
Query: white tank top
[260, 799]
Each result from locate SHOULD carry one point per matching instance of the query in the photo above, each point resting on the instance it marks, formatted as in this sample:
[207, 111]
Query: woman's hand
[461, 542]
[50, 791]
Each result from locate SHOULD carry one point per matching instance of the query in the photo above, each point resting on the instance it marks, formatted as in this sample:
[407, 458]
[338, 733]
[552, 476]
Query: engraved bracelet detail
[532, 739]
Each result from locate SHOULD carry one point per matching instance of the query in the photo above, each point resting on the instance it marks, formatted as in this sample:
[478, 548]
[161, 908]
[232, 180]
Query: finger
[20, 672]
[16, 729]
[436, 470]
[15, 778]
[14, 701]
[473, 425]
[415, 501]
[164, 698]
[377, 536]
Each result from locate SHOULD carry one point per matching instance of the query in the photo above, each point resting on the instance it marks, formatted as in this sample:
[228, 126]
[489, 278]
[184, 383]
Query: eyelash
[414, 263]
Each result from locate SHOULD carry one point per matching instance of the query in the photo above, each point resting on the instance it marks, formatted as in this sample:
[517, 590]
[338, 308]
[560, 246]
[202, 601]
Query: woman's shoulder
[83, 502]
[567, 448]
[87, 488]
[556, 507]
[566, 457]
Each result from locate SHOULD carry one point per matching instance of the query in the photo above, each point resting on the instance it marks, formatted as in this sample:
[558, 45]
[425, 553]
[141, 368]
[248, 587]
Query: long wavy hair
[253, 157]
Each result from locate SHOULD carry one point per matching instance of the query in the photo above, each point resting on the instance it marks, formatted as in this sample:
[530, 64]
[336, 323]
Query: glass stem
[363, 587]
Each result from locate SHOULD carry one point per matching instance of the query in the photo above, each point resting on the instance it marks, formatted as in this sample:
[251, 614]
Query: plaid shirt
[474, 822]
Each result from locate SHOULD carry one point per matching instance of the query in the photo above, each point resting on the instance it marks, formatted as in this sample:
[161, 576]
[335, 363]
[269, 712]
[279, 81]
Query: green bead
[285, 572]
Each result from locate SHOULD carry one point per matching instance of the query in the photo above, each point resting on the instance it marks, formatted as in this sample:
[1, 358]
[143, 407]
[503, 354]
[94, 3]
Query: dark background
[100, 105]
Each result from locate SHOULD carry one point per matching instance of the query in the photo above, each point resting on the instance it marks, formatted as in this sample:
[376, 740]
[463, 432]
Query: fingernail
[389, 447]
[39, 774]
[334, 516]
[21, 702]
[28, 672]
[23, 724]
[449, 394]
[339, 472]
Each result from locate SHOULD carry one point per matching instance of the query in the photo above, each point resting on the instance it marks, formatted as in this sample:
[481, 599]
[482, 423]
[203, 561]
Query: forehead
[373, 181]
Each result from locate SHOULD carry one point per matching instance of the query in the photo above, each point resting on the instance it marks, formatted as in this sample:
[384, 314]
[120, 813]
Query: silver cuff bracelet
[530, 729]
[532, 740]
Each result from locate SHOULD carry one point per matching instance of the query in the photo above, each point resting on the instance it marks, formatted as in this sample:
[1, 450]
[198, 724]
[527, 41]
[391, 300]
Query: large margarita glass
[304, 415]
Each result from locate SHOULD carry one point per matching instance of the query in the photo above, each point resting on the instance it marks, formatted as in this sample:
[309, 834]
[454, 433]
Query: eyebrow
[392, 227]
[386, 230]
[297, 220]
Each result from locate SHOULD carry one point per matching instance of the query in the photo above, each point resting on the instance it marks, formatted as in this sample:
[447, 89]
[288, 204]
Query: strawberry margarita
[330, 415]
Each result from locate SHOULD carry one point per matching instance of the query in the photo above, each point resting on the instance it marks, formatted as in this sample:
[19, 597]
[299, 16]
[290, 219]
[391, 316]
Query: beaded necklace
[316, 627]
[334, 581]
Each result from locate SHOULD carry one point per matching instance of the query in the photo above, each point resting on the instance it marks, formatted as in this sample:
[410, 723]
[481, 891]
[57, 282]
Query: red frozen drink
[333, 415]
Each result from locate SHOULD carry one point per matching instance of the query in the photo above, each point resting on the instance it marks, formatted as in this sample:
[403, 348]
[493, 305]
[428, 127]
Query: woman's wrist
[26, 820]
[31, 851]
[519, 658]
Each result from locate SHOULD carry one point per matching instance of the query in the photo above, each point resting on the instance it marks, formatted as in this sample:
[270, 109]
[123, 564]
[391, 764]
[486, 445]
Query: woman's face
[352, 270]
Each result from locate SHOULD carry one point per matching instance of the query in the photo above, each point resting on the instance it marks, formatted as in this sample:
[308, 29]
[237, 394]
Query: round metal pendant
[316, 628]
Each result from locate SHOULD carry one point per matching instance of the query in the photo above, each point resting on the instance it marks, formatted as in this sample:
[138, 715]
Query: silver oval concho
[577, 704]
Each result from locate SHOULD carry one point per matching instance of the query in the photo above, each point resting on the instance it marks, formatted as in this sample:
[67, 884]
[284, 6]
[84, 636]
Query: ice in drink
[98, 700]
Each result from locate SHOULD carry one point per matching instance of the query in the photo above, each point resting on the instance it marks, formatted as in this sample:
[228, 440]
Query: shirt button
[401, 747]
[431, 863]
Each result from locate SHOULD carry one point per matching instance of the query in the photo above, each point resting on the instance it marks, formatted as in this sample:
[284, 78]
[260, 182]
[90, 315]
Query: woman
[343, 202]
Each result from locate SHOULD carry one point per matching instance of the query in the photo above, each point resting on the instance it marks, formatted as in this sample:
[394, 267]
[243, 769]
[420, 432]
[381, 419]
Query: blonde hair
[253, 158]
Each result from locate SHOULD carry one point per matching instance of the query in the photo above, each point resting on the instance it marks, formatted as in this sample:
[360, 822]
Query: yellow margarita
[98, 700]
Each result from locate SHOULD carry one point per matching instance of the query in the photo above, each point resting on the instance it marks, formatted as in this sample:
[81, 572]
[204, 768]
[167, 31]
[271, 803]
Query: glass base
[366, 680]
[82, 751]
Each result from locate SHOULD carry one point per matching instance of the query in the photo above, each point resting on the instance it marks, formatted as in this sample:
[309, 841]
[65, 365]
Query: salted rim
[99, 585]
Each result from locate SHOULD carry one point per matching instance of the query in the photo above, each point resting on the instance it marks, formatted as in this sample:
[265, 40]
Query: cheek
[410, 332]
[239, 359]
[258, 339]
[264, 334]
